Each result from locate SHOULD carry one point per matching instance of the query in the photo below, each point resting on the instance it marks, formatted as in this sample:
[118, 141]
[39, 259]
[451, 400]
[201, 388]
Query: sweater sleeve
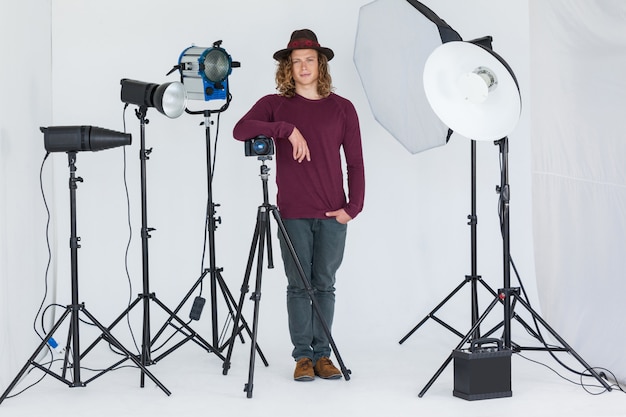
[260, 121]
[353, 151]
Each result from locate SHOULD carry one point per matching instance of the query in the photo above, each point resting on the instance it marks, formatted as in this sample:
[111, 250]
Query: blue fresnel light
[204, 72]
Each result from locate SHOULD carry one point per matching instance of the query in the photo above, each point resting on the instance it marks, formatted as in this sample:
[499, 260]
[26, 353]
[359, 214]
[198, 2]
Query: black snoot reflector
[82, 138]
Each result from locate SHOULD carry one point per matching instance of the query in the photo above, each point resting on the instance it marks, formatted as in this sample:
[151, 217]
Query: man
[310, 125]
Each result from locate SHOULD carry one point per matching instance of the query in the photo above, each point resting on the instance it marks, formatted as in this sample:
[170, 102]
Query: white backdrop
[406, 251]
[578, 61]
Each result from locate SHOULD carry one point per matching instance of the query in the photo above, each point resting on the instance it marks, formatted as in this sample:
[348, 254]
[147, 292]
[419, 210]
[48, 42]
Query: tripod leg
[283, 231]
[31, 360]
[230, 302]
[256, 297]
[244, 290]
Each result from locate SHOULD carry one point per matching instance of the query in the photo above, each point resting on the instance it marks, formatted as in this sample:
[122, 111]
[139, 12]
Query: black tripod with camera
[263, 148]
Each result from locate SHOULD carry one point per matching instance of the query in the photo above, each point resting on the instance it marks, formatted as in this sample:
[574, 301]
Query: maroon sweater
[309, 189]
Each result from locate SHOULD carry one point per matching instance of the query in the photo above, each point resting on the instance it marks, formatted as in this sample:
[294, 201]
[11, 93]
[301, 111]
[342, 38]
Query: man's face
[304, 67]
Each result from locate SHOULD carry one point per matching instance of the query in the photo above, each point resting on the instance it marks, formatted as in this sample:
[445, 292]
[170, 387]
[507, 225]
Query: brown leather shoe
[324, 368]
[304, 370]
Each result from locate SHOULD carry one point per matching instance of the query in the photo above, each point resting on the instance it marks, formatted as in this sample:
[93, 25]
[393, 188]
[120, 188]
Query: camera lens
[261, 146]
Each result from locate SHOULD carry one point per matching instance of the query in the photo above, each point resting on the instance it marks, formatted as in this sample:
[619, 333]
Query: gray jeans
[319, 245]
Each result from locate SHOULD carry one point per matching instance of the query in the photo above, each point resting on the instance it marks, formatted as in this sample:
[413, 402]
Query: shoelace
[325, 362]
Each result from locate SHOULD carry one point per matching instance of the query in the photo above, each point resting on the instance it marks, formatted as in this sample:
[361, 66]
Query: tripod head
[264, 168]
[264, 174]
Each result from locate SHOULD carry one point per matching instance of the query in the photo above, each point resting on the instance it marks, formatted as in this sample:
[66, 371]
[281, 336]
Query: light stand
[473, 279]
[146, 296]
[474, 91]
[205, 72]
[509, 296]
[262, 236]
[73, 311]
[214, 272]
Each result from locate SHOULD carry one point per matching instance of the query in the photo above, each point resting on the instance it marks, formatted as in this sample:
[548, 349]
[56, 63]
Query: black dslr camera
[260, 146]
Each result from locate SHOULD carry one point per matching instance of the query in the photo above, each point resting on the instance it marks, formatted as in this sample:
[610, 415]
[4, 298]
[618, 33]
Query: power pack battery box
[483, 371]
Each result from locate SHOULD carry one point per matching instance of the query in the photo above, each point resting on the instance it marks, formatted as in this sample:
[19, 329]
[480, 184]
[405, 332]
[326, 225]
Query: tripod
[214, 273]
[73, 311]
[509, 296]
[261, 237]
[473, 279]
[146, 296]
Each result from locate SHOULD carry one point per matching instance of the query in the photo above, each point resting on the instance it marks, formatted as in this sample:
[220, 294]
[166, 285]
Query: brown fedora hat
[303, 39]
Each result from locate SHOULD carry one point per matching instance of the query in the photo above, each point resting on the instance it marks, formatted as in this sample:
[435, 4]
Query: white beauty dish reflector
[472, 90]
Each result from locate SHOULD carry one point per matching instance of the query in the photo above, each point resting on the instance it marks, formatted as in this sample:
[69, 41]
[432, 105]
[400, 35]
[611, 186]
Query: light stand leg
[31, 360]
[467, 337]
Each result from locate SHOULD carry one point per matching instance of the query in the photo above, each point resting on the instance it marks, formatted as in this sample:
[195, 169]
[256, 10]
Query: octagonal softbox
[393, 41]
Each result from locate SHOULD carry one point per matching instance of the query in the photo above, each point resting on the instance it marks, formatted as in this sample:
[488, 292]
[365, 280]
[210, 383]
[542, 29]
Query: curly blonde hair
[284, 79]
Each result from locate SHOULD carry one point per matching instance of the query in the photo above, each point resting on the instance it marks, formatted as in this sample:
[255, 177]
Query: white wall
[25, 105]
[405, 252]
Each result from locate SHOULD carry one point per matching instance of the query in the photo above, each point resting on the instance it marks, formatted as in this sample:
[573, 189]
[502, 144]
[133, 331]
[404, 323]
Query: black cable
[559, 375]
[126, 254]
[41, 310]
[130, 238]
[586, 387]
[36, 382]
[603, 372]
[217, 135]
[49, 262]
[537, 329]
[43, 314]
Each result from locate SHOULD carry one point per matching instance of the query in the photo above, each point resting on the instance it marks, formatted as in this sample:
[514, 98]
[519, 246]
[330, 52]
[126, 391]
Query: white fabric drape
[578, 62]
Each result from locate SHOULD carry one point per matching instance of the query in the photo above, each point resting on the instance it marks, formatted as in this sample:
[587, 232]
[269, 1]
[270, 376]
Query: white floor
[385, 381]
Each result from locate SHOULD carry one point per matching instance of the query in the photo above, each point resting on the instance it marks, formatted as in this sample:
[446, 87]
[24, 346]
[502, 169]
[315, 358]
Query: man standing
[310, 126]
